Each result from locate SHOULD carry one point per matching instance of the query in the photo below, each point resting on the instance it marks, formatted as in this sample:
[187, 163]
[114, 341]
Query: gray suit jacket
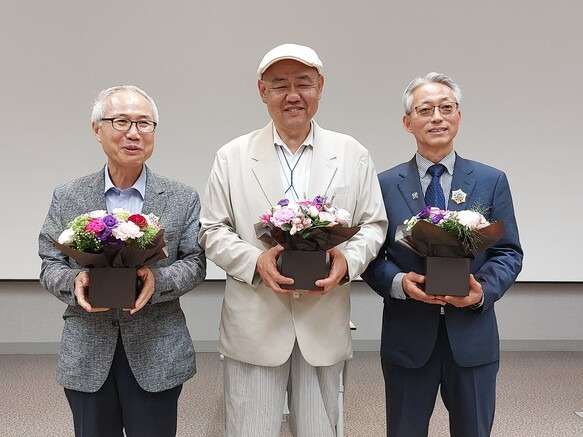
[156, 339]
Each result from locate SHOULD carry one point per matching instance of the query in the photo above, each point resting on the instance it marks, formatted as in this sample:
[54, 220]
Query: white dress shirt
[300, 162]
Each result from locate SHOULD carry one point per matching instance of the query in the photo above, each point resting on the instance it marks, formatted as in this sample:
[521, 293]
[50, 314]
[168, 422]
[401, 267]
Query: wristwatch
[475, 306]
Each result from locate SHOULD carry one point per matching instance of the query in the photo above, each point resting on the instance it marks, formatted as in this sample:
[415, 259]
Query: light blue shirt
[446, 177]
[130, 199]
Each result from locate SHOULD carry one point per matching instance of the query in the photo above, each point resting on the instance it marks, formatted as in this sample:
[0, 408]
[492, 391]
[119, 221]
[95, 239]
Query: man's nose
[436, 116]
[293, 95]
[133, 131]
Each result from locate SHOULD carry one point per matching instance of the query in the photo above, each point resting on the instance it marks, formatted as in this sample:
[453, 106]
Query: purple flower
[436, 218]
[109, 221]
[321, 201]
[283, 202]
[424, 213]
[104, 234]
[112, 241]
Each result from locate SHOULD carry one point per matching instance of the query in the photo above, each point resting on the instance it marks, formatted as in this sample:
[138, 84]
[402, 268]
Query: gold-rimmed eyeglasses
[445, 108]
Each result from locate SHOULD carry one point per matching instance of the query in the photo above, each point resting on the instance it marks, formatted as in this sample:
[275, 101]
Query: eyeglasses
[445, 108]
[124, 125]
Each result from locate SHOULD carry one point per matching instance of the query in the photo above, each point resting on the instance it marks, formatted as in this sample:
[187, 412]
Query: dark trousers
[469, 394]
[121, 403]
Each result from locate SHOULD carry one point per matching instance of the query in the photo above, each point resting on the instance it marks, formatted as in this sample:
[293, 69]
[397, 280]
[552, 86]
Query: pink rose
[282, 216]
[95, 226]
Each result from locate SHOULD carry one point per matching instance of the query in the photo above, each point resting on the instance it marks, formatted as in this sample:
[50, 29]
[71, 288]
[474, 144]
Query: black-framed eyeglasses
[124, 125]
[445, 108]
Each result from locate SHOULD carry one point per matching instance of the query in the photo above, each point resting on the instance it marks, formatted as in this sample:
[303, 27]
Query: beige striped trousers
[255, 395]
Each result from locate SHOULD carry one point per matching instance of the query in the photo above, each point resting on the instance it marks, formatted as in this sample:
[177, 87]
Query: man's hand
[267, 268]
[338, 270]
[81, 285]
[474, 296]
[148, 283]
[411, 286]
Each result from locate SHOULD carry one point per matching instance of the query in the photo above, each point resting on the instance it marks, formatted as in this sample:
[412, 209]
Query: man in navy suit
[441, 342]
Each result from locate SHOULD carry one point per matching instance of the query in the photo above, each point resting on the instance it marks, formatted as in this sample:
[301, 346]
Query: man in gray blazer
[275, 339]
[125, 369]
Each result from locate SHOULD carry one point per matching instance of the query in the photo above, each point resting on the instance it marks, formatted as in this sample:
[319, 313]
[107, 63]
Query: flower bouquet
[113, 246]
[306, 230]
[448, 240]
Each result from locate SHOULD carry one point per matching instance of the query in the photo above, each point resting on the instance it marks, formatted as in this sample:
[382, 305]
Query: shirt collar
[139, 185]
[308, 141]
[423, 163]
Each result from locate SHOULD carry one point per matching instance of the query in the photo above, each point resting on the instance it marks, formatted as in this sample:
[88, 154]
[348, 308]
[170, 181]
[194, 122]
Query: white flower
[472, 219]
[67, 236]
[294, 207]
[116, 211]
[127, 230]
[98, 213]
[327, 217]
[313, 211]
[342, 217]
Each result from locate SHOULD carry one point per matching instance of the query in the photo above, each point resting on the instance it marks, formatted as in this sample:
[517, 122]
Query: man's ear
[96, 131]
[320, 85]
[262, 90]
[407, 123]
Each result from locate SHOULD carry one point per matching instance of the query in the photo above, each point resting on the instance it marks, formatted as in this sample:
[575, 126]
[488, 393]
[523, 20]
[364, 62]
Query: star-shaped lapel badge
[458, 196]
[415, 195]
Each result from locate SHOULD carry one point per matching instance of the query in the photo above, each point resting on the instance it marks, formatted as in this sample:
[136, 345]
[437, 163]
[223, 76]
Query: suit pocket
[339, 195]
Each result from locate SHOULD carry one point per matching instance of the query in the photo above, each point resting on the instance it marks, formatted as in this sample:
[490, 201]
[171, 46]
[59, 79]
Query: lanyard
[291, 171]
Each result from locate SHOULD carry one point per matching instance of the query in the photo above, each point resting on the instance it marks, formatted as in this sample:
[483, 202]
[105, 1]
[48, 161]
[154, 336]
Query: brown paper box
[447, 276]
[304, 267]
[111, 287]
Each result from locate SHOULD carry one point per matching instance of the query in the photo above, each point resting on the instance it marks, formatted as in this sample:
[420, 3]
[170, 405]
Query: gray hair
[429, 78]
[99, 103]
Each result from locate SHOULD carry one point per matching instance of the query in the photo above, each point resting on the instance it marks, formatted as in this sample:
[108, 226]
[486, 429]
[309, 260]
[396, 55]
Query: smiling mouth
[437, 130]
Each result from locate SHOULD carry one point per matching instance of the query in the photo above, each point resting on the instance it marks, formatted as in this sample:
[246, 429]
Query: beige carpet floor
[539, 394]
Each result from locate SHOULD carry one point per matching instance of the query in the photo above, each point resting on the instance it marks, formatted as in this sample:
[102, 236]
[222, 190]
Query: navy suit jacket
[409, 326]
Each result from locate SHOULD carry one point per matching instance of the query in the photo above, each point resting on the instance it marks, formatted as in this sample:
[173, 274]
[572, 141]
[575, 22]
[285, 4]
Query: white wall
[530, 316]
[516, 62]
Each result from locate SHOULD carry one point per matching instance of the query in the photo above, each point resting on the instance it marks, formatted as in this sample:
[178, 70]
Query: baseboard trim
[541, 345]
[40, 348]
[366, 345]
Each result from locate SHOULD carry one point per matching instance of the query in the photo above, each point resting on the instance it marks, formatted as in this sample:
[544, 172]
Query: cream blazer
[259, 326]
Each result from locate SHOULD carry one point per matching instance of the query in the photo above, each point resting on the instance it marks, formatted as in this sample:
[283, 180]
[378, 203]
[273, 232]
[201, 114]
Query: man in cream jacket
[273, 339]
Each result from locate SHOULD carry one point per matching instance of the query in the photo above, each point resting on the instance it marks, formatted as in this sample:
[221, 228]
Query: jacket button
[296, 294]
[115, 323]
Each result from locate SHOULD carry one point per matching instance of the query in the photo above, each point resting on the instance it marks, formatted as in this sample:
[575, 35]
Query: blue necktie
[434, 194]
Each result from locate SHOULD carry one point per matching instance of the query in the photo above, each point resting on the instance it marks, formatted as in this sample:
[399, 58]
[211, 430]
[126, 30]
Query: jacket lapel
[265, 165]
[410, 188]
[95, 195]
[324, 163]
[155, 199]
[462, 180]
